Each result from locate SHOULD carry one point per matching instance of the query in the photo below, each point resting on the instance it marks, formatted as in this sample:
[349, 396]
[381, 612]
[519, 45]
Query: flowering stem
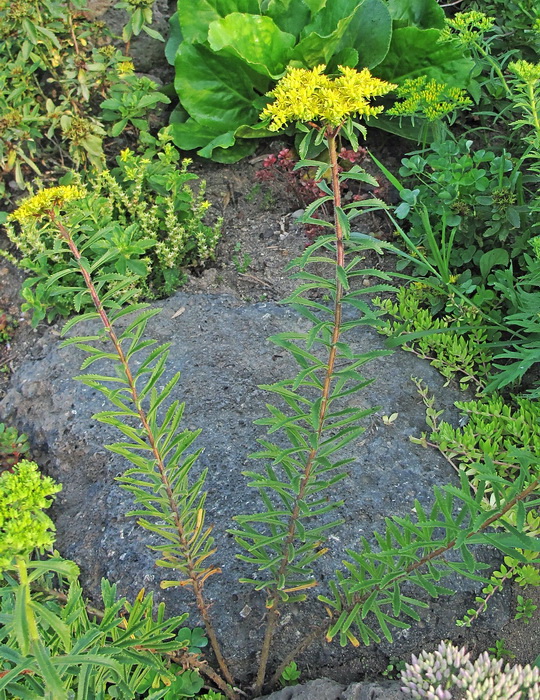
[274, 600]
[197, 582]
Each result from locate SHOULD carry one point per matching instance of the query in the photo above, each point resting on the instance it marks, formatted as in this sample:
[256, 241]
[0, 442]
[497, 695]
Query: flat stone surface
[325, 689]
[220, 346]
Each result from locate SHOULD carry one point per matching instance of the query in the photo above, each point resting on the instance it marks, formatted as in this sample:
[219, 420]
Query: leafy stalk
[287, 551]
[369, 596]
[171, 499]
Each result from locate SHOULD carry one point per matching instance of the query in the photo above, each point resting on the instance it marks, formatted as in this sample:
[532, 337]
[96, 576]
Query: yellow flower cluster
[468, 26]
[125, 67]
[43, 202]
[527, 72]
[428, 98]
[310, 95]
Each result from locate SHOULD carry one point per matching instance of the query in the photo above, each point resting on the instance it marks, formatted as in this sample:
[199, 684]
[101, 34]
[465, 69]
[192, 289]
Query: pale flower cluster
[428, 98]
[311, 96]
[435, 675]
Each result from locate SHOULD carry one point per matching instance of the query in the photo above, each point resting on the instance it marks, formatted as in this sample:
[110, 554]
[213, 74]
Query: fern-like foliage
[170, 503]
[287, 536]
[368, 597]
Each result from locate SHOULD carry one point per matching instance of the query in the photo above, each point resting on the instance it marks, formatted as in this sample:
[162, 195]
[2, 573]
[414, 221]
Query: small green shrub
[142, 219]
[478, 196]
[462, 356]
[55, 69]
[24, 494]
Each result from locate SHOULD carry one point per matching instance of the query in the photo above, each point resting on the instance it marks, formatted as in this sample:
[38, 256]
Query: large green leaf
[315, 5]
[254, 39]
[217, 91]
[195, 16]
[369, 33]
[415, 52]
[174, 40]
[290, 15]
[226, 149]
[418, 13]
[189, 134]
[323, 36]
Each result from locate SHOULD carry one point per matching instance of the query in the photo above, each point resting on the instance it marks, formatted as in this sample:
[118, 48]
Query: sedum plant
[309, 424]
[24, 494]
[461, 356]
[141, 219]
[228, 54]
[449, 673]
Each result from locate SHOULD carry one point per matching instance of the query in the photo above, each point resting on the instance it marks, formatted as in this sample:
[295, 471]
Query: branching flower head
[428, 98]
[528, 73]
[310, 95]
[468, 26]
[45, 201]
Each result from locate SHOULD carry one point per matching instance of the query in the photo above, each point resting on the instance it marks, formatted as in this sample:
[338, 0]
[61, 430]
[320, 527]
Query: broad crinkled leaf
[415, 52]
[195, 16]
[217, 91]
[254, 39]
[369, 33]
[419, 13]
[290, 15]
[315, 5]
[321, 38]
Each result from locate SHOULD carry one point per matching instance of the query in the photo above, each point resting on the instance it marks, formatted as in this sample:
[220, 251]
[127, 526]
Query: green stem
[495, 67]
[197, 581]
[274, 601]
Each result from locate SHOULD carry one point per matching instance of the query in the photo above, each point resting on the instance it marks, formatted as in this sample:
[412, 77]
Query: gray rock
[320, 689]
[220, 347]
[373, 691]
[325, 689]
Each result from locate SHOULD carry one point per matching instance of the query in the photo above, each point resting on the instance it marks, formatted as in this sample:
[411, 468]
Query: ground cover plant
[53, 644]
[285, 539]
[61, 81]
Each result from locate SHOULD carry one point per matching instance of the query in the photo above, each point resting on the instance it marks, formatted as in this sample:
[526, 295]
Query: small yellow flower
[125, 67]
[310, 95]
[124, 155]
[45, 201]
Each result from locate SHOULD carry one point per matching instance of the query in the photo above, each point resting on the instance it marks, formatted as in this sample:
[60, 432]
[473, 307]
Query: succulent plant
[448, 674]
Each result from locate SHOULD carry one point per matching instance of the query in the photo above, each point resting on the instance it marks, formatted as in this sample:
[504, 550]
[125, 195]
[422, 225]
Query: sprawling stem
[274, 599]
[197, 583]
[320, 630]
